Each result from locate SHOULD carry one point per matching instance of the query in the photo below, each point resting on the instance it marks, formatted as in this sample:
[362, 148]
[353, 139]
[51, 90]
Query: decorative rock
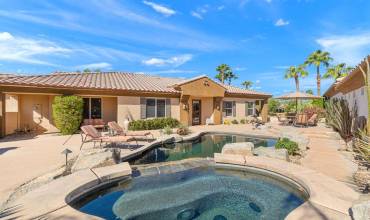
[242, 148]
[229, 159]
[281, 154]
[361, 210]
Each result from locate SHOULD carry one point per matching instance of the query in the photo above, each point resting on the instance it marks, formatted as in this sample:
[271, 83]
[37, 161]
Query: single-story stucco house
[26, 101]
[351, 88]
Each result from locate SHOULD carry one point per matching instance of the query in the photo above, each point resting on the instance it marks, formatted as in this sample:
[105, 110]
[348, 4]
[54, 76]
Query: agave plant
[361, 146]
[340, 117]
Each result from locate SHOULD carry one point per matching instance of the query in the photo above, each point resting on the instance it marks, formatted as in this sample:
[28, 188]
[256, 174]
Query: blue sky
[259, 39]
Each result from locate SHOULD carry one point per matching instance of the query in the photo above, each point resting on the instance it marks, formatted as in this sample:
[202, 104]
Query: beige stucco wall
[109, 107]
[240, 107]
[175, 108]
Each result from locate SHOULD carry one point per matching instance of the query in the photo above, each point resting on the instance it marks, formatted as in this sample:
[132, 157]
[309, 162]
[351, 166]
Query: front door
[196, 118]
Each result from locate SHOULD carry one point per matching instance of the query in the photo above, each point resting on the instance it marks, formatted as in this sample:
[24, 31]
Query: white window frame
[253, 107]
[232, 109]
[156, 107]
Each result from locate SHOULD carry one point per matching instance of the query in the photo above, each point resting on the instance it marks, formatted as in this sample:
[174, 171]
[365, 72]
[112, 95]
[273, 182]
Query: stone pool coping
[166, 139]
[328, 198]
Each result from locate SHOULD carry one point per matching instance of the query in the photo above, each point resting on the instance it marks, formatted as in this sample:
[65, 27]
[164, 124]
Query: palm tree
[318, 58]
[222, 69]
[296, 72]
[337, 71]
[247, 84]
[225, 73]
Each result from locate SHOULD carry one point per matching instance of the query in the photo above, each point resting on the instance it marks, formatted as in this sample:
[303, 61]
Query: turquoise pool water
[204, 193]
[204, 146]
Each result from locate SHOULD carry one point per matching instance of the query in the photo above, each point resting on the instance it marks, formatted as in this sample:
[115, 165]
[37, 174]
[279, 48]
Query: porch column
[2, 114]
[264, 110]
[217, 113]
[184, 110]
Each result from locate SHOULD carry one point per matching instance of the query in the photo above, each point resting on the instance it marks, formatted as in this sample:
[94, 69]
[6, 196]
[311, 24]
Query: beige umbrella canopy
[298, 95]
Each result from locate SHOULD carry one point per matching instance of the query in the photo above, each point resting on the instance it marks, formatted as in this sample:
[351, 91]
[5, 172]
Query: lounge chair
[120, 131]
[92, 135]
[301, 120]
[96, 123]
[313, 120]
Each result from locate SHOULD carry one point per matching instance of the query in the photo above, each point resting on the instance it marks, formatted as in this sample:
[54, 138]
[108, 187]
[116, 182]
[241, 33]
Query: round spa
[210, 192]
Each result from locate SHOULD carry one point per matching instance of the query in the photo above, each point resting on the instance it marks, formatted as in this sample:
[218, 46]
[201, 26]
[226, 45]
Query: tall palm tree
[247, 84]
[318, 58]
[337, 71]
[296, 72]
[222, 70]
[225, 73]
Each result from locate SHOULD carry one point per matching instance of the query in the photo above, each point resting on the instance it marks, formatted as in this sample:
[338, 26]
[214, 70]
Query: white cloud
[283, 67]
[173, 71]
[240, 68]
[221, 7]
[281, 22]
[160, 8]
[199, 12]
[350, 49]
[268, 1]
[196, 15]
[173, 61]
[92, 66]
[27, 50]
[258, 81]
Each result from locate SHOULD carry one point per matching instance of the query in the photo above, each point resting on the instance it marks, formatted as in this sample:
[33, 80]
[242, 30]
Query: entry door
[196, 118]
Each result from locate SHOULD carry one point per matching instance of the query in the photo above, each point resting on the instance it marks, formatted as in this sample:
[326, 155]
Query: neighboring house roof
[111, 81]
[352, 81]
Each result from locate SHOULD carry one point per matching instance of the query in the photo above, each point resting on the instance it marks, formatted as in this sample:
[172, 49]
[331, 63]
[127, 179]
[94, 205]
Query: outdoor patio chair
[96, 123]
[121, 131]
[92, 135]
[301, 120]
[210, 120]
[313, 120]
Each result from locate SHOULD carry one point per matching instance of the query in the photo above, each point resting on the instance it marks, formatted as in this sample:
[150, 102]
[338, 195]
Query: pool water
[201, 193]
[205, 146]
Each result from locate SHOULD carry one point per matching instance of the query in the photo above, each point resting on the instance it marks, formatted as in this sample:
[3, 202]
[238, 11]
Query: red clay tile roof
[108, 81]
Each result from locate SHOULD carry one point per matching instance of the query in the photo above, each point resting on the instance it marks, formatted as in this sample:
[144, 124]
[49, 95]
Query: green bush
[167, 130]
[242, 121]
[291, 146]
[153, 124]
[67, 113]
[273, 105]
[234, 122]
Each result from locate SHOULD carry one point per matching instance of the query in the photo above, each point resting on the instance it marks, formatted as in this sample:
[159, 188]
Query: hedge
[67, 113]
[153, 124]
[286, 143]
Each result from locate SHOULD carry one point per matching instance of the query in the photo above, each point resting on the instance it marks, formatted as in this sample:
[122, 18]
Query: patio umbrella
[298, 95]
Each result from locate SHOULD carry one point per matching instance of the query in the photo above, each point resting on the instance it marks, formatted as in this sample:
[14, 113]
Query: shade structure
[298, 96]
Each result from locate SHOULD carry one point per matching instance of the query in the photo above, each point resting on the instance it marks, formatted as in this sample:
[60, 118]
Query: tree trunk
[222, 77]
[318, 77]
[296, 84]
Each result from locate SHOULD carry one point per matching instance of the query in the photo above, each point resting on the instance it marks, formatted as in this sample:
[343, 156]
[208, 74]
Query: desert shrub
[273, 105]
[183, 130]
[286, 143]
[234, 122]
[242, 121]
[167, 130]
[67, 113]
[153, 124]
[227, 122]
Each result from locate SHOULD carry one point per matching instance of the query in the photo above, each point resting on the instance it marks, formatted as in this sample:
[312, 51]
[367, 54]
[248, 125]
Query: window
[249, 108]
[92, 108]
[228, 108]
[155, 108]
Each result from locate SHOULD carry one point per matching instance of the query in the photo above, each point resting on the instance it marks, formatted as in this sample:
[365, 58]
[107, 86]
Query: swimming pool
[205, 192]
[204, 146]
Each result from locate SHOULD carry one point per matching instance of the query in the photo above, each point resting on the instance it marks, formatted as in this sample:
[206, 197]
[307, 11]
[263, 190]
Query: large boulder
[361, 210]
[281, 154]
[242, 148]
